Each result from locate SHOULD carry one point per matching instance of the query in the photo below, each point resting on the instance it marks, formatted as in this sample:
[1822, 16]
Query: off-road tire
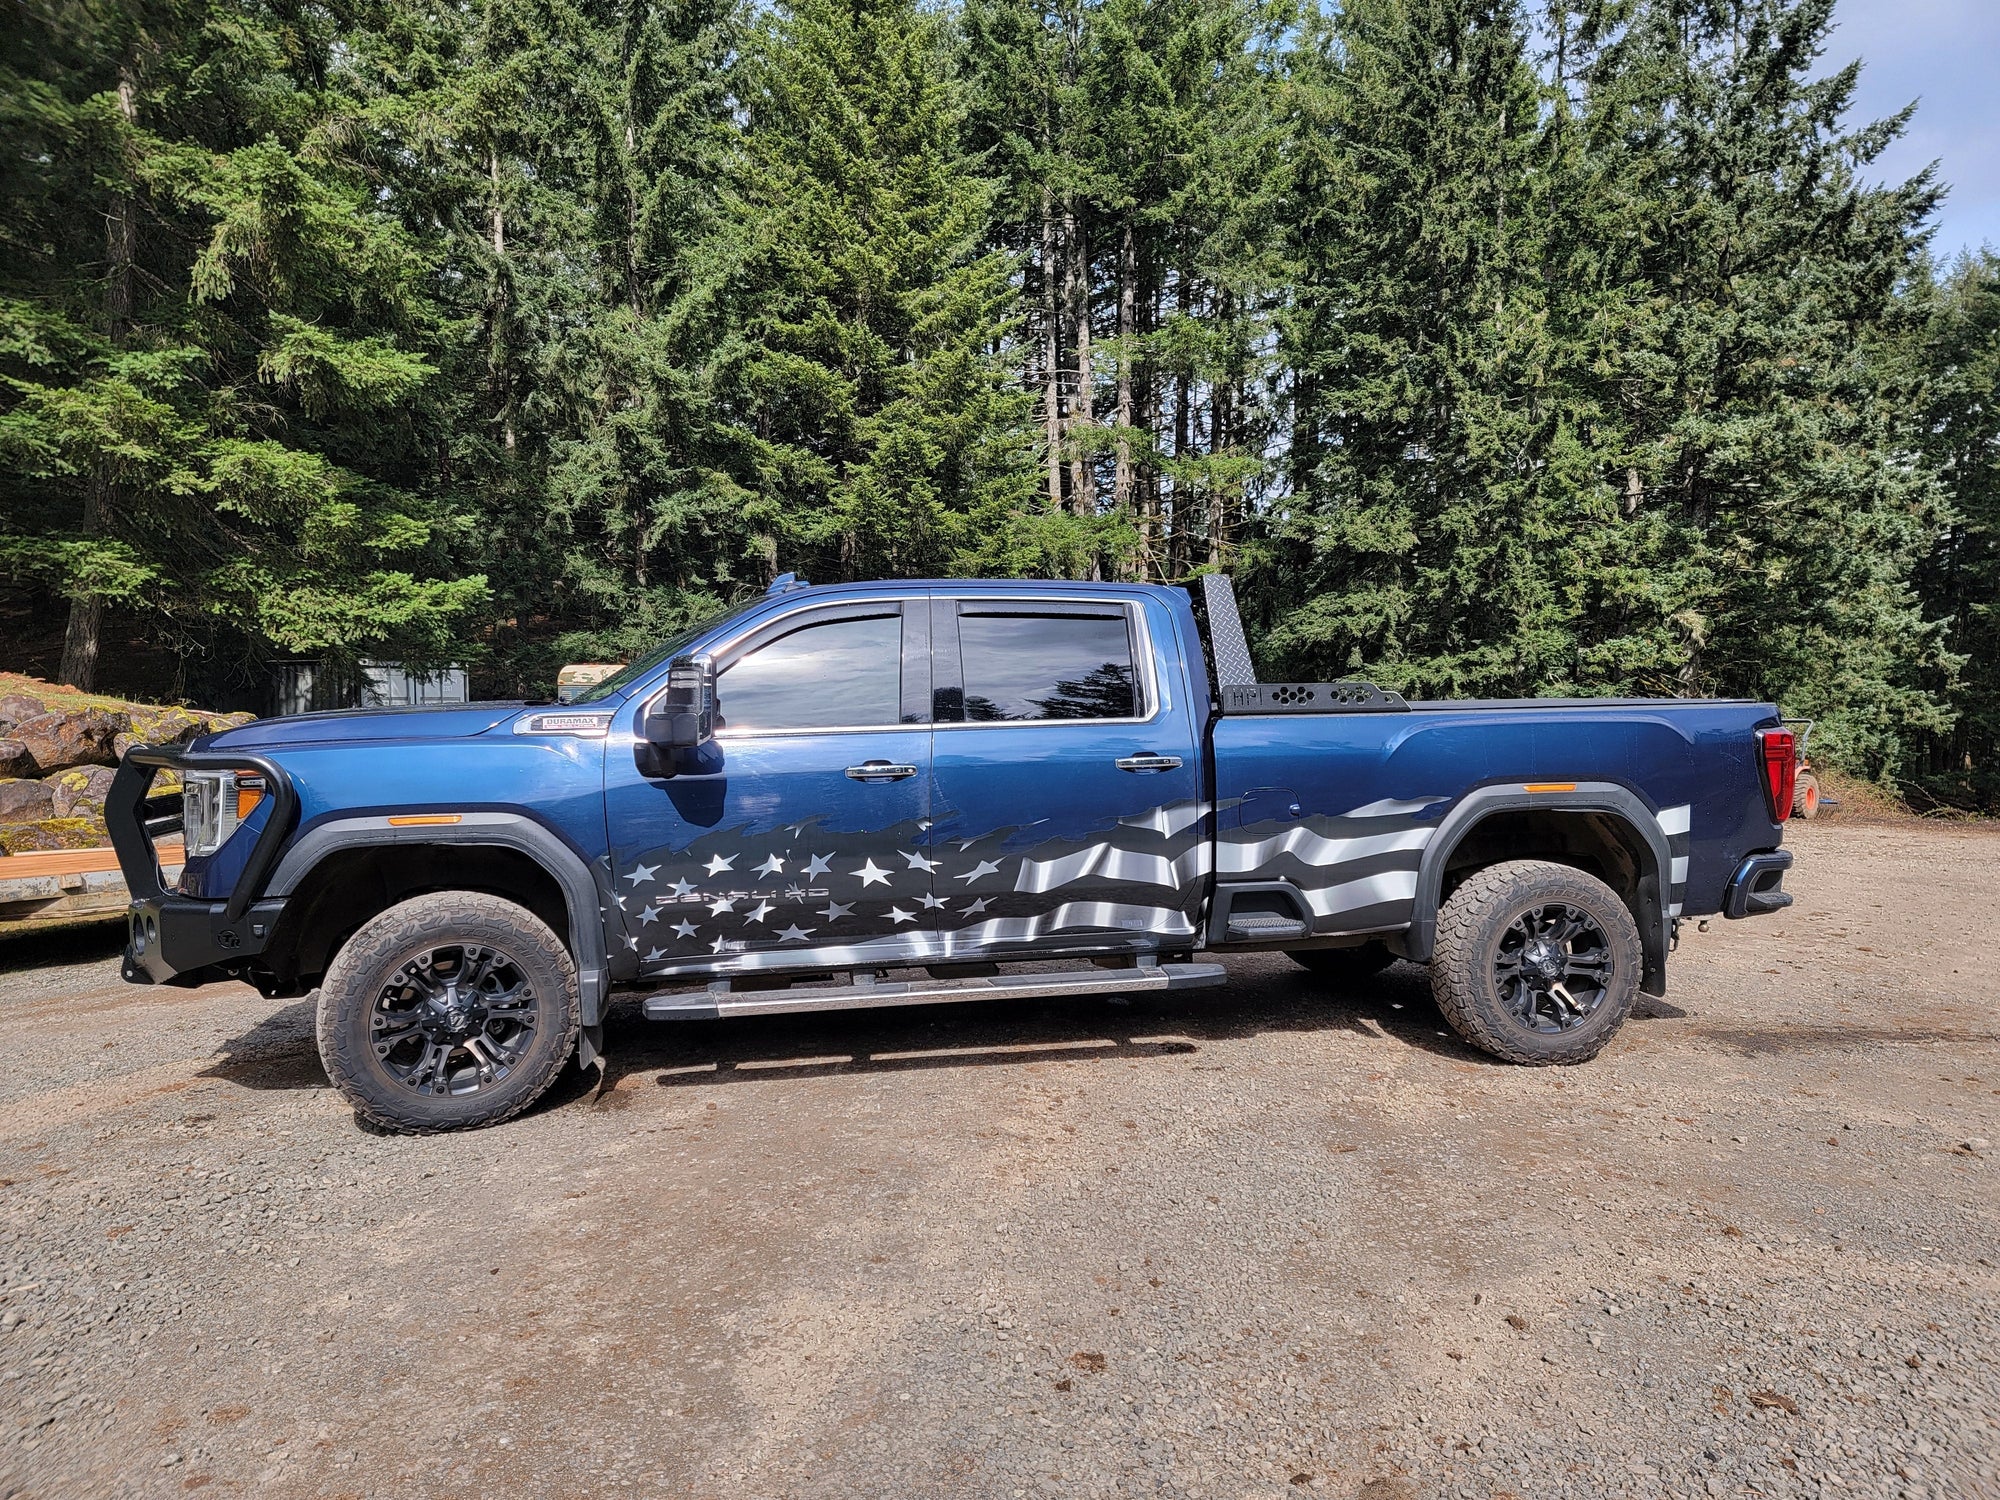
[384, 944]
[1342, 968]
[1469, 932]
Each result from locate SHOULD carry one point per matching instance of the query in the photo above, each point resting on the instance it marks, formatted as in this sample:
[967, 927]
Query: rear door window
[1020, 666]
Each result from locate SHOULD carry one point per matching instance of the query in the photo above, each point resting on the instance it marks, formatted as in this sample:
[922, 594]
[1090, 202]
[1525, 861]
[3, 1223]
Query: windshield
[624, 677]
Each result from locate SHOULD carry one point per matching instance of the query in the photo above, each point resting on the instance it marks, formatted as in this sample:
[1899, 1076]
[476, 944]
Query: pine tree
[1437, 479]
[1774, 515]
[205, 413]
[869, 383]
[1957, 355]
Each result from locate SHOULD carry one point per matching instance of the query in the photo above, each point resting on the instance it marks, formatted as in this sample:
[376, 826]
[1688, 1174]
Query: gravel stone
[1189, 1246]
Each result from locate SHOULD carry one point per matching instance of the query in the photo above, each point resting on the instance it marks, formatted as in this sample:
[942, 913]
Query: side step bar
[867, 992]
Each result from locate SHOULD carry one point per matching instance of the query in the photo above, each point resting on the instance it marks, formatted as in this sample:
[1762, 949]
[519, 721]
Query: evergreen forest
[1496, 347]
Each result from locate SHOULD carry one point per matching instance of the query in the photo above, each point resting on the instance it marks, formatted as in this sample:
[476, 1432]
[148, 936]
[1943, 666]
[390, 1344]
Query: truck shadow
[279, 1051]
[1395, 1006]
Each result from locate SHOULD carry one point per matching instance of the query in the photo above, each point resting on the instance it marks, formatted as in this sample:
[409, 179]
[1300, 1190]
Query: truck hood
[348, 725]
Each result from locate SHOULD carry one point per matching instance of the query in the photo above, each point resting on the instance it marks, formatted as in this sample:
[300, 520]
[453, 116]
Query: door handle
[1149, 763]
[880, 770]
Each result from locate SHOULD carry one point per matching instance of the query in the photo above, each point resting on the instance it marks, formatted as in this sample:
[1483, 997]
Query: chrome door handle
[1149, 763]
[880, 770]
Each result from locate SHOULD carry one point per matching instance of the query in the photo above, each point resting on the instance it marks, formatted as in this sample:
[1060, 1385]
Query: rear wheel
[1805, 796]
[1536, 962]
[447, 1011]
[1341, 967]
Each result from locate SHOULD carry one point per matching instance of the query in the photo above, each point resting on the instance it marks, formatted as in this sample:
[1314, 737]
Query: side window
[836, 674]
[1020, 666]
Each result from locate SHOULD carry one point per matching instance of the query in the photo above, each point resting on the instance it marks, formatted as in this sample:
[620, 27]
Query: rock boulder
[23, 801]
[78, 737]
[79, 792]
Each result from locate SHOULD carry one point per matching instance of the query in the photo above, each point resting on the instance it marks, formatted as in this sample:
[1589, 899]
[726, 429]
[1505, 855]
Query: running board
[865, 992]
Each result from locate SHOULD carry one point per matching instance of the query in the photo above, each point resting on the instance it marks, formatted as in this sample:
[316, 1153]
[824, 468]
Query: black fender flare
[1655, 927]
[507, 830]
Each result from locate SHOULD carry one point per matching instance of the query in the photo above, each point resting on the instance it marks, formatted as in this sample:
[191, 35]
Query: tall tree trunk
[84, 633]
[502, 381]
[1218, 489]
[1180, 548]
[1051, 351]
[1128, 290]
[1082, 472]
[1149, 482]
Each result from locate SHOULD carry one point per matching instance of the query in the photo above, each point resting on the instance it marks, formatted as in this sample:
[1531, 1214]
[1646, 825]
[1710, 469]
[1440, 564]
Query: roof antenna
[784, 583]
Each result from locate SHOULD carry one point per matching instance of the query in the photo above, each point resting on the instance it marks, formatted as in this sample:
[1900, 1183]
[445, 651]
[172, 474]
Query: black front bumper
[173, 938]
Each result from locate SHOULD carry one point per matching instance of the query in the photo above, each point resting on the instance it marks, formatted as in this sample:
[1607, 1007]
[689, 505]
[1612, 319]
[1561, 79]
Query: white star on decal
[649, 916]
[683, 889]
[720, 905]
[872, 874]
[642, 873]
[819, 864]
[917, 861]
[977, 906]
[898, 915]
[684, 929]
[833, 911]
[984, 867]
[772, 865]
[621, 902]
[718, 945]
[758, 912]
[931, 902]
[796, 893]
[796, 933]
[717, 863]
[655, 956]
[632, 943]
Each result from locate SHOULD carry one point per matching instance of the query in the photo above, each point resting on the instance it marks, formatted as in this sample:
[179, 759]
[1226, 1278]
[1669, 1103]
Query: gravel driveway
[1256, 1241]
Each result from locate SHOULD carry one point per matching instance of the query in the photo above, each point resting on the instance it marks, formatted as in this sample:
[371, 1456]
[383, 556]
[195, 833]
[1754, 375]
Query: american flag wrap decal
[1357, 871]
[751, 898]
[1676, 823]
[803, 893]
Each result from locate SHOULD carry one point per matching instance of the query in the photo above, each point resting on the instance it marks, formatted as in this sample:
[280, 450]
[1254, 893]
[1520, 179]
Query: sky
[1945, 54]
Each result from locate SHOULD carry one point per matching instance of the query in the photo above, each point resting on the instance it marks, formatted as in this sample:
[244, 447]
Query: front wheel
[1536, 962]
[447, 1011]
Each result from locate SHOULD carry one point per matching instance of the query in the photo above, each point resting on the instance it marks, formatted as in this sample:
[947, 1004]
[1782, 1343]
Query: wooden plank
[73, 862]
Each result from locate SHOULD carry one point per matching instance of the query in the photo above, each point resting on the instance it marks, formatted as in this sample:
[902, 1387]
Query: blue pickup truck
[906, 793]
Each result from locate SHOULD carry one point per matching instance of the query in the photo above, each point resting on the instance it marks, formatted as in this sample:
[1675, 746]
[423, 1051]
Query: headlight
[214, 805]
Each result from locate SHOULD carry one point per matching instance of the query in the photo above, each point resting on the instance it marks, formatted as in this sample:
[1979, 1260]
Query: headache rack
[1237, 690]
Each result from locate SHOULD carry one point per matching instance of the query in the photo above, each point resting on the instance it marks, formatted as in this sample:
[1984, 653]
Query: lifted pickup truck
[903, 793]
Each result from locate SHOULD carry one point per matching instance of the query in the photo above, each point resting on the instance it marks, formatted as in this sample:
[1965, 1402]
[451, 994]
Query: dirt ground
[1253, 1241]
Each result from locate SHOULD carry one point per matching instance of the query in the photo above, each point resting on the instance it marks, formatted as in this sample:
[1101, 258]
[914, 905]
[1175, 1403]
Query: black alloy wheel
[1536, 962]
[447, 1011]
[455, 1019]
[1553, 967]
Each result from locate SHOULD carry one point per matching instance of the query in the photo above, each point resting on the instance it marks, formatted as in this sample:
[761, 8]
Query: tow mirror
[681, 720]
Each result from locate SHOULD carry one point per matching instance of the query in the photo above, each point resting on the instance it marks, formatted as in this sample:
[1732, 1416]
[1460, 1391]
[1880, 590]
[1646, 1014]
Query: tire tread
[1457, 972]
[410, 923]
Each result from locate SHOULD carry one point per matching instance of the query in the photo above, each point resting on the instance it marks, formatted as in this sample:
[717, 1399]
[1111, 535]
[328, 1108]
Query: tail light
[1778, 750]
